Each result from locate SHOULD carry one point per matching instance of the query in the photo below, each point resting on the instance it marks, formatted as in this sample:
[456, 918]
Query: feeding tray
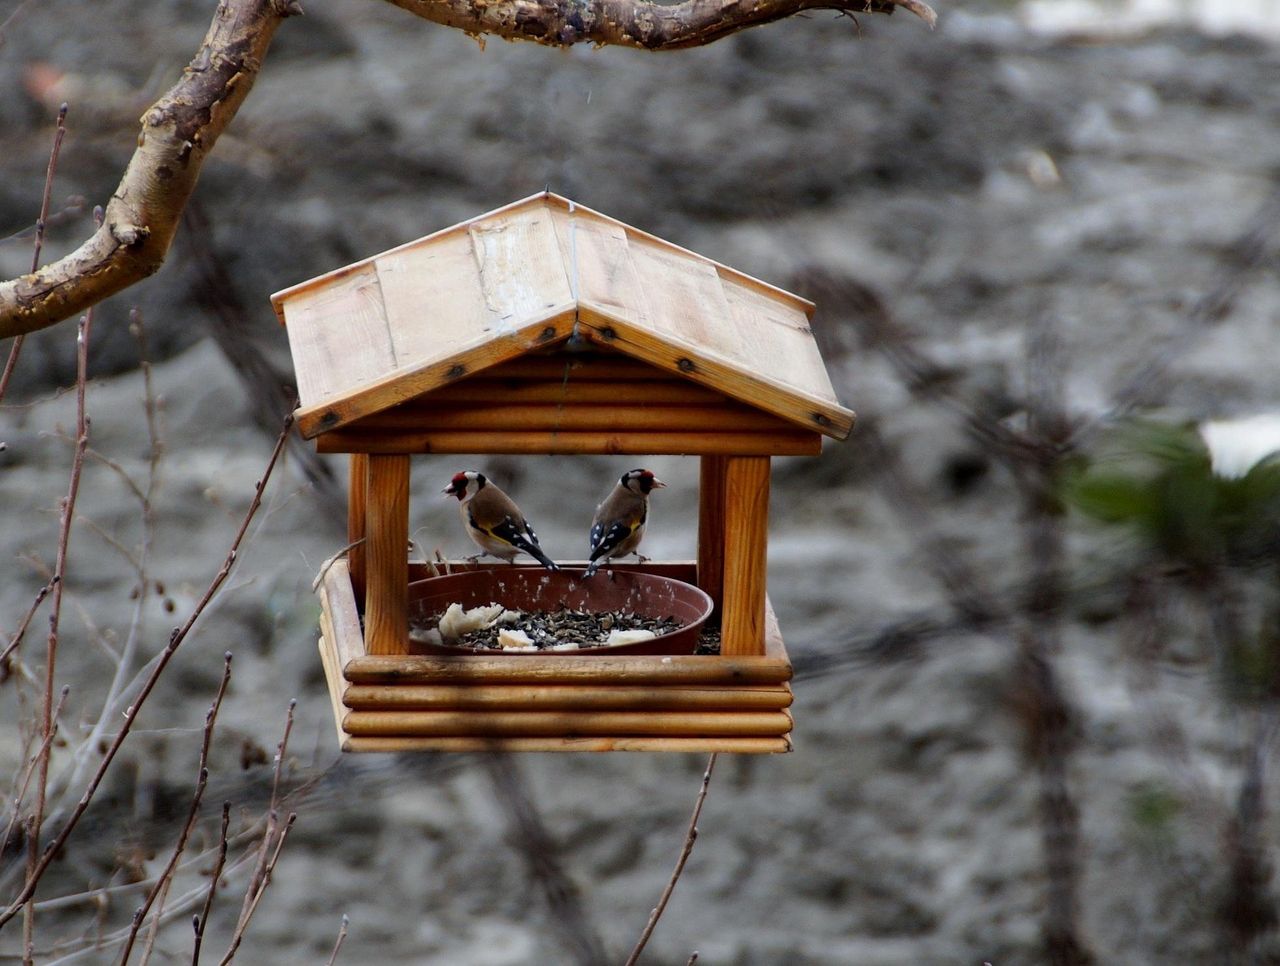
[523, 589]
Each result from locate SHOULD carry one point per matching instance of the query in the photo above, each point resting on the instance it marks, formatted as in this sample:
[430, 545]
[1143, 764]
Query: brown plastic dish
[530, 589]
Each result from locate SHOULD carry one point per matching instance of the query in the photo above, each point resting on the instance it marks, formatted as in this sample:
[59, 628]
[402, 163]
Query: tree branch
[178, 132]
[181, 128]
[631, 23]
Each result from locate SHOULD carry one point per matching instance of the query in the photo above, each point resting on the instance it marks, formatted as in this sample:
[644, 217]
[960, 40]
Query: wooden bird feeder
[547, 328]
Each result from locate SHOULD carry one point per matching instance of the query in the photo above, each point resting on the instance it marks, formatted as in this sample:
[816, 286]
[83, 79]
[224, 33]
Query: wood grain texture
[604, 697]
[357, 490]
[566, 724]
[759, 385]
[789, 443]
[740, 746]
[746, 502]
[414, 379]
[339, 607]
[513, 281]
[711, 528]
[334, 681]
[338, 337]
[387, 562]
[492, 416]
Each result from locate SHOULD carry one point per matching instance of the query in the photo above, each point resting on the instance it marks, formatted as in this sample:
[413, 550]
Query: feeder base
[559, 702]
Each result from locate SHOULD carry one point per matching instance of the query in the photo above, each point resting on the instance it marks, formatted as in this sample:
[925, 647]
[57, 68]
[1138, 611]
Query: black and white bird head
[640, 481]
[465, 485]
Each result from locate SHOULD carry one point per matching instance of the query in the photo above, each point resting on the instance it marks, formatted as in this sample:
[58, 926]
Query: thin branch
[238, 936]
[30, 770]
[201, 921]
[58, 581]
[342, 937]
[175, 640]
[690, 837]
[41, 594]
[59, 131]
[202, 771]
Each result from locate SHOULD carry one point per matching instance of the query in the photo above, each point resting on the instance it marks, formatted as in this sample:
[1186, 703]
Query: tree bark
[181, 128]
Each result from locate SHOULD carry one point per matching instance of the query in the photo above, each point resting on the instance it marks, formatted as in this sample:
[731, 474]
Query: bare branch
[632, 23]
[202, 781]
[178, 132]
[200, 922]
[59, 131]
[689, 838]
[181, 128]
[175, 640]
[342, 937]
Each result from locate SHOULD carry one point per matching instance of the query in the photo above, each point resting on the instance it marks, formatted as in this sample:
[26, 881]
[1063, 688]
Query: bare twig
[59, 131]
[201, 921]
[41, 594]
[175, 640]
[262, 883]
[21, 793]
[58, 582]
[342, 937]
[690, 837]
[202, 771]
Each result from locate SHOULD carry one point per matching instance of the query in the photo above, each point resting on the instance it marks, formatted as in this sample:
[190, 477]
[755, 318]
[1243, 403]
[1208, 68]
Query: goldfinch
[493, 521]
[619, 522]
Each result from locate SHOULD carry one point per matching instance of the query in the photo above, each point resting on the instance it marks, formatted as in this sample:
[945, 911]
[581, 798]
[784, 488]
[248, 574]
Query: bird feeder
[547, 328]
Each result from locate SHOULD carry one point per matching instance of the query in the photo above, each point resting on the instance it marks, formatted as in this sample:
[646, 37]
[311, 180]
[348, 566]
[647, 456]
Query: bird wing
[606, 538]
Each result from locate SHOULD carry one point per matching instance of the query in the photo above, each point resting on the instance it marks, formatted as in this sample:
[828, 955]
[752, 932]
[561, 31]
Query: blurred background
[1033, 618]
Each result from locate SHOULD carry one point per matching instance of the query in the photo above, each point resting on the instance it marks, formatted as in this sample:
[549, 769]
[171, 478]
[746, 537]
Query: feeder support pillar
[357, 488]
[386, 609]
[746, 538]
[711, 522]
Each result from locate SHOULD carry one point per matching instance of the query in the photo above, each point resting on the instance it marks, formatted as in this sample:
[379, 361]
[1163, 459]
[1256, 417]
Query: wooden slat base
[549, 703]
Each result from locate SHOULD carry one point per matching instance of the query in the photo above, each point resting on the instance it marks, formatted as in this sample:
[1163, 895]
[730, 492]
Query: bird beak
[657, 483]
[448, 490]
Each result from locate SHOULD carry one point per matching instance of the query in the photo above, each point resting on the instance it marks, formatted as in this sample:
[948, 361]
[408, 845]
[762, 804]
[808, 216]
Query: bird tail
[591, 569]
[533, 550]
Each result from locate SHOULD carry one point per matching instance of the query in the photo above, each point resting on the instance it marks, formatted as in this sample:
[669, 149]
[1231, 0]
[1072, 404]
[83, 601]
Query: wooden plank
[577, 367]
[416, 378]
[741, 746]
[357, 488]
[521, 270]
[567, 724]
[333, 681]
[492, 417]
[560, 392]
[789, 443]
[387, 562]
[557, 201]
[750, 385]
[339, 338]
[684, 297]
[684, 671]
[516, 697]
[711, 528]
[596, 252]
[746, 514]
[287, 295]
[435, 304]
[338, 604]
[769, 329]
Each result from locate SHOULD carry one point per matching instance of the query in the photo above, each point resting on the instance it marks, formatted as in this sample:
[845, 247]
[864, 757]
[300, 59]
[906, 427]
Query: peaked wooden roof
[528, 276]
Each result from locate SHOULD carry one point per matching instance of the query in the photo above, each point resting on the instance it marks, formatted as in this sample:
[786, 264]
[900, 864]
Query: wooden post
[386, 609]
[711, 528]
[357, 487]
[746, 538]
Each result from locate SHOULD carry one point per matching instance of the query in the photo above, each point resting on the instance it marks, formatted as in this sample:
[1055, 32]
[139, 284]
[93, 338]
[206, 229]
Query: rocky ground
[980, 181]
